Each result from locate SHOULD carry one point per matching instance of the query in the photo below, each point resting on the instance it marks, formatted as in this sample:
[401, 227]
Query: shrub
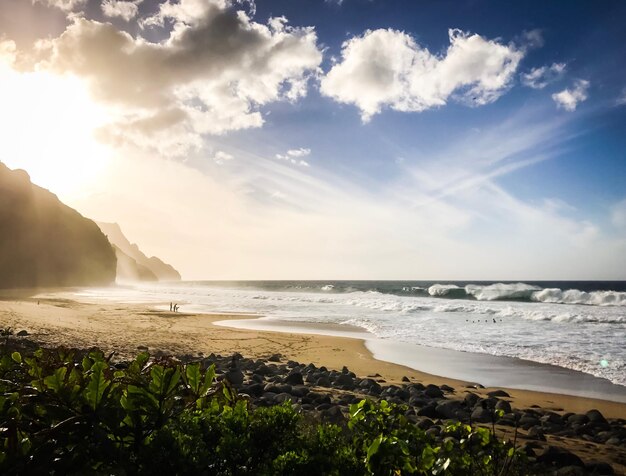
[65, 412]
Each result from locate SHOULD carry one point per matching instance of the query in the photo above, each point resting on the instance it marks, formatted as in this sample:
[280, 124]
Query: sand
[128, 328]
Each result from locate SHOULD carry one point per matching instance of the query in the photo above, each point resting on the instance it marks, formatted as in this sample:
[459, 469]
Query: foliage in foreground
[63, 415]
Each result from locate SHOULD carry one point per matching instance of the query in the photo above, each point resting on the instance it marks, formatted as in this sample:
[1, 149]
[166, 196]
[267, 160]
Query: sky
[327, 139]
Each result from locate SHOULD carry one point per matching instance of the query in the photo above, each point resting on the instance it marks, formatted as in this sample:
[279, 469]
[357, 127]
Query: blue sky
[322, 139]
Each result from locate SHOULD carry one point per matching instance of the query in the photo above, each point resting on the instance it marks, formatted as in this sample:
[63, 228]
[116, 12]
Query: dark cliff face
[46, 243]
[132, 263]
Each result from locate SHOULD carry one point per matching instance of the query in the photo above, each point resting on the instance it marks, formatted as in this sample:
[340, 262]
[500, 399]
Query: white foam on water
[574, 335]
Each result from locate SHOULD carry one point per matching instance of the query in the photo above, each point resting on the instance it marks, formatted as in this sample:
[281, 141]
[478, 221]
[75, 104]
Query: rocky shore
[544, 435]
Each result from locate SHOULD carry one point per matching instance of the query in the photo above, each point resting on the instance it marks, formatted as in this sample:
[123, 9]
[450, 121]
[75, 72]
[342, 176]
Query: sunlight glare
[48, 125]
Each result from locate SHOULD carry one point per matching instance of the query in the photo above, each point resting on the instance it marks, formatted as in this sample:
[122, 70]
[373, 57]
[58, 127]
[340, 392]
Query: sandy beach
[126, 329]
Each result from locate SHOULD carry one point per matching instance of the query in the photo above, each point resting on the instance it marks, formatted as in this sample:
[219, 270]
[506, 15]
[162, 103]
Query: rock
[432, 391]
[471, 399]
[552, 417]
[428, 411]
[345, 381]
[448, 409]
[594, 416]
[234, 376]
[268, 398]
[498, 393]
[447, 388]
[367, 383]
[405, 379]
[571, 471]
[403, 394]
[272, 387]
[599, 468]
[323, 381]
[275, 358]
[299, 391]
[255, 389]
[559, 457]
[536, 433]
[578, 419]
[22, 333]
[504, 406]
[528, 421]
[294, 378]
[416, 401]
[283, 397]
[481, 415]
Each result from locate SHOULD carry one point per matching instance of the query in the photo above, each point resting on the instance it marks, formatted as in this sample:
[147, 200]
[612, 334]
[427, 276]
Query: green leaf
[56, 381]
[97, 384]
[17, 357]
[373, 447]
[86, 363]
[173, 379]
[428, 458]
[193, 377]
[209, 376]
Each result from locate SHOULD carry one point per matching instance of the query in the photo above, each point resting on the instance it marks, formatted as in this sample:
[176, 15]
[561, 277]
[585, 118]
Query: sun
[48, 125]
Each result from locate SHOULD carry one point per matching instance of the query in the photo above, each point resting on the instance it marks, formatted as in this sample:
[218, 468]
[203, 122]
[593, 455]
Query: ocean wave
[574, 296]
[527, 293]
[501, 291]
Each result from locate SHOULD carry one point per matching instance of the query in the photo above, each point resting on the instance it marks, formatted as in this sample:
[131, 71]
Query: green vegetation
[66, 413]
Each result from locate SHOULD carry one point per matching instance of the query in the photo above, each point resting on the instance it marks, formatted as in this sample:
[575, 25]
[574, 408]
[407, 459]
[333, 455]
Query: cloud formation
[294, 156]
[387, 68]
[539, 78]
[568, 99]
[220, 157]
[210, 75]
[621, 100]
[121, 8]
[65, 5]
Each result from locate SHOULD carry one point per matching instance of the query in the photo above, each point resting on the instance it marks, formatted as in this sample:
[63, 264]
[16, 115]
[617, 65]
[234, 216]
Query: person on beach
[170, 307]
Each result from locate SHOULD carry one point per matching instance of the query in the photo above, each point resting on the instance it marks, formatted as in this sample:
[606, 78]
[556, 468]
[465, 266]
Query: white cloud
[121, 8]
[539, 78]
[65, 5]
[211, 74]
[301, 152]
[568, 99]
[621, 100]
[388, 68]
[294, 156]
[220, 157]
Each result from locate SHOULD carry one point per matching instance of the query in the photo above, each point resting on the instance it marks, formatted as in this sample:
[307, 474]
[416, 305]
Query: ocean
[575, 325]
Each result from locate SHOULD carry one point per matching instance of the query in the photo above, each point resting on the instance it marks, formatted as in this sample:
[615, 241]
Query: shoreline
[127, 329]
[61, 319]
[484, 369]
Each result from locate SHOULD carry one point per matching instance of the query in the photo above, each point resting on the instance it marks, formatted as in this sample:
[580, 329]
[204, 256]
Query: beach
[129, 328]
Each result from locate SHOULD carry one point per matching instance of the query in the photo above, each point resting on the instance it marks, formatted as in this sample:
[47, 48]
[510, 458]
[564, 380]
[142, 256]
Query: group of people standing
[173, 307]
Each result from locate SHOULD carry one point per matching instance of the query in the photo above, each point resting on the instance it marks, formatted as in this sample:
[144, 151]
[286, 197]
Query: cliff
[43, 242]
[133, 264]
